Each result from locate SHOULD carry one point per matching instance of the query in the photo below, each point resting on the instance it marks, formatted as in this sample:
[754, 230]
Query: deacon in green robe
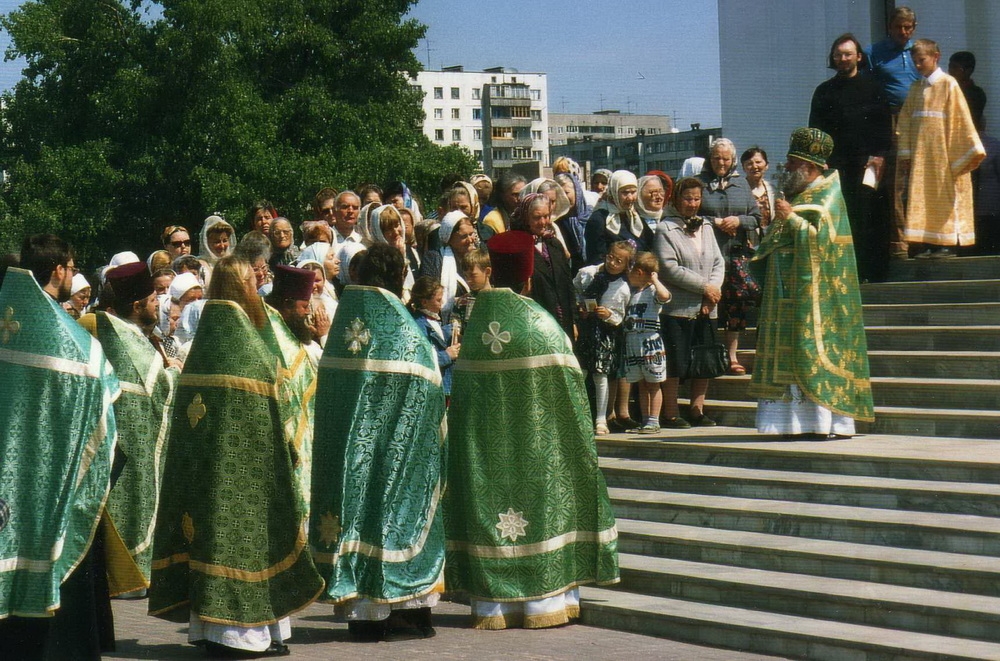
[376, 528]
[811, 373]
[57, 438]
[527, 510]
[229, 549]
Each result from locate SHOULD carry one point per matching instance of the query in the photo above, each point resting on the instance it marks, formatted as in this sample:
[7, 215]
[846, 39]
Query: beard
[299, 327]
[792, 182]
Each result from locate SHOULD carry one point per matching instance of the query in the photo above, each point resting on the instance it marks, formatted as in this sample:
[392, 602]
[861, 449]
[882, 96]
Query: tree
[132, 115]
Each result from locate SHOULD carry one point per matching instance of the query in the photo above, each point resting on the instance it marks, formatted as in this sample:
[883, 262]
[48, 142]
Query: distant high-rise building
[565, 128]
[499, 115]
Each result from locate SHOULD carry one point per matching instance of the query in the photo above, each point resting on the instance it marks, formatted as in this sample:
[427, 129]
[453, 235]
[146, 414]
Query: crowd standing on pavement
[381, 404]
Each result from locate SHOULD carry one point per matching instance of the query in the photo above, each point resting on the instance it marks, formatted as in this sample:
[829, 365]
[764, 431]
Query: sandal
[737, 370]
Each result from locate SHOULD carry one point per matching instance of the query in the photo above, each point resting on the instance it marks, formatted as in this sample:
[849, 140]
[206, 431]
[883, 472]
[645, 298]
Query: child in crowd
[426, 299]
[645, 359]
[604, 291]
[476, 270]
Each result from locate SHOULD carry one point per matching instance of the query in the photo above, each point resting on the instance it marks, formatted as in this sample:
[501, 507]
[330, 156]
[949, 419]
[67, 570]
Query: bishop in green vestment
[811, 372]
[527, 509]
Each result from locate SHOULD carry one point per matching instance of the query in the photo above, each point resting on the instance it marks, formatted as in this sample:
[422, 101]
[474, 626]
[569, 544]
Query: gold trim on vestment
[536, 548]
[511, 364]
[18, 563]
[62, 365]
[553, 593]
[221, 571]
[381, 554]
[437, 587]
[382, 366]
[253, 386]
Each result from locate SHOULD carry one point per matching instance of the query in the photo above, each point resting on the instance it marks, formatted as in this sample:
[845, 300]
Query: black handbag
[709, 359]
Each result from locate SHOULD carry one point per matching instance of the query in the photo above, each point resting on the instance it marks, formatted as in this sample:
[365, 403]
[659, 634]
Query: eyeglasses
[326, 210]
[72, 268]
[180, 244]
[281, 232]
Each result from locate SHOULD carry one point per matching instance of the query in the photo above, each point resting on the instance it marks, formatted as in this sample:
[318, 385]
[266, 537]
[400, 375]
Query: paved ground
[316, 636]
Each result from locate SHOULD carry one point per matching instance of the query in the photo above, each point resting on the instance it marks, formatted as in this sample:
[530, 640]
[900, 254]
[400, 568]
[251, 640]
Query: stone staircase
[884, 546]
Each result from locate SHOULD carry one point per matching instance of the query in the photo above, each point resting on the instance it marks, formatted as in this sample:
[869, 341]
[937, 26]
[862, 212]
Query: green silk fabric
[811, 331]
[296, 396]
[527, 509]
[376, 528]
[57, 437]
[143, 416]
[229, 544]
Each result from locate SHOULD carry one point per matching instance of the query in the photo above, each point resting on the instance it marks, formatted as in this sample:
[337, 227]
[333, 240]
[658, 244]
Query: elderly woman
[552, 281]
[654, 191]
[458, 236]
[731, 205]
[616, 218]
[506, 194]
[573, 225]
[692, 268]
[283, 248]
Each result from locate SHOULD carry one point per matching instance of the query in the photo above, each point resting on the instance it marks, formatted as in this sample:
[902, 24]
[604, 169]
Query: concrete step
[955, 423]
[917, 338]
[952, 533]
[808, 487]
[932, 570]
[921, 364]
[928, 393]
[768, 633]
[935, 314]
[955, 460]
[944, 291]
[836, 599]
[960, 268]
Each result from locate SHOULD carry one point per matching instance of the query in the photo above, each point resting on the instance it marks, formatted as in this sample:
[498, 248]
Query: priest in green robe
[143, 415]
[376, 528]
[527, 509]
[56, 445]
[811, 373]
[229, 549]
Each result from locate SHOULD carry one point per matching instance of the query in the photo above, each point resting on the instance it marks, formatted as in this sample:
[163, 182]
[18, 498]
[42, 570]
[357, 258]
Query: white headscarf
[79, 284]
[561, 206]
[316, 254]
[376, 224]
[618, 180]
[649, 213]
[347, 251]
[207, 255]
[182, 284]
[450, 278]
[329, 295]
[364, 224]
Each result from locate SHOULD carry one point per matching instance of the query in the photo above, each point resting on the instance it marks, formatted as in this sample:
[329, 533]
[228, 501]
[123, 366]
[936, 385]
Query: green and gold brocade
[811, 331]
[527, 509]
[229, 545]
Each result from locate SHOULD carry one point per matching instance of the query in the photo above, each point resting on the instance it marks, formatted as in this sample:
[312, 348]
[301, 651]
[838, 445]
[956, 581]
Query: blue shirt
[893, 68]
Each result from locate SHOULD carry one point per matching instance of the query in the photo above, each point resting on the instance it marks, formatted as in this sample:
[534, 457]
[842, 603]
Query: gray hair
[723, 143]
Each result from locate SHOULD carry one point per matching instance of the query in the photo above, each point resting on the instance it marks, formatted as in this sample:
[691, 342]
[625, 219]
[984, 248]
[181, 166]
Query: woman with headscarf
[573, 224]
[735, 217]
[457, 234]
[505, 196]
[313, 259]
[283, 248]
[616, 219]
[349, 253]
[217, 241]
[552, 282]
[654, 191]
[464, 197]
[484, 187]
[386, 226]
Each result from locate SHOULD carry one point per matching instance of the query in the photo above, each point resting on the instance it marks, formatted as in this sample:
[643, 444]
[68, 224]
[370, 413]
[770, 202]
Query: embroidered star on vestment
[512, 524]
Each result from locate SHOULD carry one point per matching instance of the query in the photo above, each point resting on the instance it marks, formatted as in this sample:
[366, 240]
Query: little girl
[426, 299]
[604, 291]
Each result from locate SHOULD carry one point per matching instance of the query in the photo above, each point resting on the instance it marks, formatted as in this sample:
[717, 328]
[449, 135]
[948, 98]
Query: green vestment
[811, 332]
[376, 530]
[527, 509]
[57, 437]
[296, 396]
[229, 545]
[143, 417]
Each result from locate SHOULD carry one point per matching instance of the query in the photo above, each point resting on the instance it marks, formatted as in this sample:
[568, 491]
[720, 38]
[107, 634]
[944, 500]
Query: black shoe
[676, 422]
[622, 424]
[942, 253]
[409, 624]
[838, 437]
[366, 631]
[219, 651]
[703, 421]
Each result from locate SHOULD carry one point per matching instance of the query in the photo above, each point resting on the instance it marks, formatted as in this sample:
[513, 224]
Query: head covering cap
[476, 178]
[130, 282]
[79, 284]
[512, 256]
[519, 219]
[448, 225]
[182, 284]
[127, 257]
[290, 282]
[315, 252]
[811, 145]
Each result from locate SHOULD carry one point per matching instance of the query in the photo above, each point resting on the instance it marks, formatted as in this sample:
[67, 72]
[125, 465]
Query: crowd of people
[379, 405]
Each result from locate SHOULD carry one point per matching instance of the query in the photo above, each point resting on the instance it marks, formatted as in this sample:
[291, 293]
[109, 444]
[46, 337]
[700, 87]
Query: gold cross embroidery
[8, 326]
[196, 411]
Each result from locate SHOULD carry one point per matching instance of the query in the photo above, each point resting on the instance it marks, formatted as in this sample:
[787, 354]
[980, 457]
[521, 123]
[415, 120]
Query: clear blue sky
[656, 56]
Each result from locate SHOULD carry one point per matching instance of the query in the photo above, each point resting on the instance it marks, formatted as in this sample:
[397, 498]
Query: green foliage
[123, 123]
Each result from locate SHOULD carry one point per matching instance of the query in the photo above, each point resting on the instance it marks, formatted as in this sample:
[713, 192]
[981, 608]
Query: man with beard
[58, 438]
[849, 108]
[811, 375]
[291, 297]
[143, 414]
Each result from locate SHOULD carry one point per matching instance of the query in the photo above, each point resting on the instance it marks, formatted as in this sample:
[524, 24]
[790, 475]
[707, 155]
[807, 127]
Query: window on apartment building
[456, 135]
[536, 95]
[520, 112]
[559, 129]
[438, 92]
[536, 135]
[631, 131]
[478, 154]
[502, 133]
[456, 93]
[572, 129]
[456, 113]
[537, 155]
[477, 134]
[439, 135]
[501, 155]
[476, 94]
[477, 113]
[521, 153]
[536, 115]
[438, 113]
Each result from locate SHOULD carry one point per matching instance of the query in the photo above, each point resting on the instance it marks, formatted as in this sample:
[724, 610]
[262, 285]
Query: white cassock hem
[251, 639]
[795, 414]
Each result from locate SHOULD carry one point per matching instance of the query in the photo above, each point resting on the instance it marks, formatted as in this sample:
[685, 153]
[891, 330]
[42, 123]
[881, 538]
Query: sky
[651, 57]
